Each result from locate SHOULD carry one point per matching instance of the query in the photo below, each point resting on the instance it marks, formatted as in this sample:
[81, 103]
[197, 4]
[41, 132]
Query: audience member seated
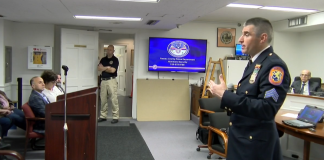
[37, 102]
[49, 78]
[17, 116]
[304, 86]
[58, 88]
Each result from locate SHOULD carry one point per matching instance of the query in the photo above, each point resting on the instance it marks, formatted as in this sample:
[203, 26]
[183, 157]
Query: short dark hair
[262, 25]
[32, 80]
[49, 76]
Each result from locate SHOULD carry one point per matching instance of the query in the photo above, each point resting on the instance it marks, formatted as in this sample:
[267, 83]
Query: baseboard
[194, 118]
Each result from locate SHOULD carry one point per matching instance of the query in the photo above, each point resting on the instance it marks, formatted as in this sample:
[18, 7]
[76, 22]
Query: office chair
[207, 105]
[217, 139]
[30, 134]
[11, 153]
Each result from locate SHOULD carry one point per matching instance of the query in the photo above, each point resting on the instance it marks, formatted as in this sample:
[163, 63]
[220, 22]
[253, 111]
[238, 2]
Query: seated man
[37, 102]
[58, 87]
[304, 86]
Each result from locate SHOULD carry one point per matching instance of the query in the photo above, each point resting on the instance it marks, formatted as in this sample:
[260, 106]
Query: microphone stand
[65, 128]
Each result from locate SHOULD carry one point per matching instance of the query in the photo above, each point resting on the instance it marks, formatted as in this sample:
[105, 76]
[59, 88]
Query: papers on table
[290, 115]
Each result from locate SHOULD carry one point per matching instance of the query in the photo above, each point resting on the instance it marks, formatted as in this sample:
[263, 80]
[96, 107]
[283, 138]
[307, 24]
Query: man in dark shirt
[108, 86]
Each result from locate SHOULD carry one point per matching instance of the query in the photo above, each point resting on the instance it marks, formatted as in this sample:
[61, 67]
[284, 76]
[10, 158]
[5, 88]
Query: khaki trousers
[108, 89]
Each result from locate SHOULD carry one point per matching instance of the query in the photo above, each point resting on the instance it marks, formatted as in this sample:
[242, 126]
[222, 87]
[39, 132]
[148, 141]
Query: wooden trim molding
[306, 96]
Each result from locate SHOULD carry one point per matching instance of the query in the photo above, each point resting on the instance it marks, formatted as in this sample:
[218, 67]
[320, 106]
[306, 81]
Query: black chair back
[211, 104]
[219, 120]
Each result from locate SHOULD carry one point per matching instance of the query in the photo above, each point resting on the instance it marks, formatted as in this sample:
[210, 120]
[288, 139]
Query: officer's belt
[105, 79]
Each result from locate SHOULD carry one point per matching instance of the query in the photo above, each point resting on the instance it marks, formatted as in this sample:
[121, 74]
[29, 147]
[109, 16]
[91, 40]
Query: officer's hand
[217, 89]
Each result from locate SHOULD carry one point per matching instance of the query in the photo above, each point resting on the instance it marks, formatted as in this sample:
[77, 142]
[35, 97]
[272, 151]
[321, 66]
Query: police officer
[108, 86]
[260, 93]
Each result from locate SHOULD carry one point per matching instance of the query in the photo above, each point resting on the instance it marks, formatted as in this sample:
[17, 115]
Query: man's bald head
[37, 84]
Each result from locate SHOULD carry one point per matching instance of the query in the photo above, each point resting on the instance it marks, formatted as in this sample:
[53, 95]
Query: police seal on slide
[178, 49]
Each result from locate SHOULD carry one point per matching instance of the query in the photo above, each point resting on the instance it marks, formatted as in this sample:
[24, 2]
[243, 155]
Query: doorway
[120, 53]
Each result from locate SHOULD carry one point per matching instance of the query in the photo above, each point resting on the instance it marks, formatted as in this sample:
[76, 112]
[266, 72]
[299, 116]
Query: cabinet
[234, 71]
[195, 96]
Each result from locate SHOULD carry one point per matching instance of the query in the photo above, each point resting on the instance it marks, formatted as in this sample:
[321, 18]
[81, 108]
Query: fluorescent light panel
[149, 1]
[270, 8]
[243, 5]
[108, 18]
[288, 9]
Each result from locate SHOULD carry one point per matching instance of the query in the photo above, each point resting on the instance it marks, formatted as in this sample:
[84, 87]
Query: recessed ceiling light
[243, 5]
[149, 1]
[108, 18]
[289, 9]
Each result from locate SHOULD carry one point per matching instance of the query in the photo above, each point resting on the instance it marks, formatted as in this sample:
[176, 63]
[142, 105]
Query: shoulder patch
[276, 75]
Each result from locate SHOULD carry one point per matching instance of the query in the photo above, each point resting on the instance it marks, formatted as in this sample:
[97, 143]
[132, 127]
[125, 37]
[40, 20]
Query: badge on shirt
[111, 62]
[255, 73]
[276, 75]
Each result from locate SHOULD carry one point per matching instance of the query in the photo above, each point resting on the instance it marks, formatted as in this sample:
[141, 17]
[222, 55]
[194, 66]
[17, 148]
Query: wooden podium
[81, 119]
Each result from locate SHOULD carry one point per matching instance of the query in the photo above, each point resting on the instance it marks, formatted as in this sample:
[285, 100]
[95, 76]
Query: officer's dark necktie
[248, 65]
[302, 88]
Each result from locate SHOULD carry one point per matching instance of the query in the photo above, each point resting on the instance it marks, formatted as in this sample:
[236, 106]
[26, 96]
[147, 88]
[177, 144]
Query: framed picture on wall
[132, 58]
[39, 57]
[226, 37]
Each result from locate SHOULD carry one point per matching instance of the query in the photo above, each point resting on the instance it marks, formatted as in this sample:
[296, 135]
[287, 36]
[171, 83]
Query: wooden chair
[12, 153]
[207, 105]
[30, 121]
[217, 139]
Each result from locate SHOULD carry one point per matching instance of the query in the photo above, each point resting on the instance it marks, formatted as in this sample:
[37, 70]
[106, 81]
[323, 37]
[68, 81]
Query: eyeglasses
[304, 75]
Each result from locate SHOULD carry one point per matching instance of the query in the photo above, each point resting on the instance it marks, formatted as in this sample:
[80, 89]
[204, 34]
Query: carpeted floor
[113, 142]
[121, 143]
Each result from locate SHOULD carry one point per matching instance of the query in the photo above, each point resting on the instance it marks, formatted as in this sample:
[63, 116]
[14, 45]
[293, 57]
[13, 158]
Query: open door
[120, 53]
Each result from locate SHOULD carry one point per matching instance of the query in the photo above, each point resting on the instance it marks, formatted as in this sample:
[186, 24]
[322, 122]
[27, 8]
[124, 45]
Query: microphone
[65, 68]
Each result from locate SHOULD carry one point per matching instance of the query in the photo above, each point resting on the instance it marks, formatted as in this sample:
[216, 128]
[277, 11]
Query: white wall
[312, 52]
[301, 51]
[24, 35]
[285, 45]
[119, 39]
[194, 30]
